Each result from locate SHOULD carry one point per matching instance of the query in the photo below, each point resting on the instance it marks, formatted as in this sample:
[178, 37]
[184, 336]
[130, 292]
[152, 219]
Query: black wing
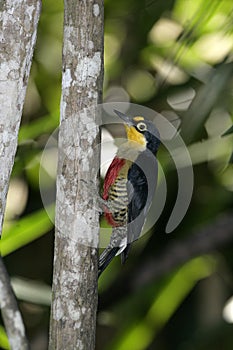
[142, 181]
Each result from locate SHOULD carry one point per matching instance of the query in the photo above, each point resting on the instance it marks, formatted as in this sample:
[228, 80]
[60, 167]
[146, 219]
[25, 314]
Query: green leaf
[25, 231]
[31, 291]
[4, 343]
[39, 126]
[205, 101]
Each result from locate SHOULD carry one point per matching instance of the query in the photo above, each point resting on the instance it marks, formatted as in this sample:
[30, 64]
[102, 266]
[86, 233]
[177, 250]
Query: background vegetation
[175, 57]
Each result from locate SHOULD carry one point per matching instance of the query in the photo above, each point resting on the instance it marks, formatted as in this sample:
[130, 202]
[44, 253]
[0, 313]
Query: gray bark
[19, 20]
[10, 313]
[74, 300]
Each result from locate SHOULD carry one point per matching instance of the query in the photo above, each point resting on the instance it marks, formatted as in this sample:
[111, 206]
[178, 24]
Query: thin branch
[10, 313]
[202, 241]
[74, 300]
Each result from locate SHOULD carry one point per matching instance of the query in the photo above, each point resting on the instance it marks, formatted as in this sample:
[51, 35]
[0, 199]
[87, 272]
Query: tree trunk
[19, 20]
[74, 301]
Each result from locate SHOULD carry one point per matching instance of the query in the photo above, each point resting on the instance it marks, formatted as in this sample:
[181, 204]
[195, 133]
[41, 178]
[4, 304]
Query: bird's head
[142, 131]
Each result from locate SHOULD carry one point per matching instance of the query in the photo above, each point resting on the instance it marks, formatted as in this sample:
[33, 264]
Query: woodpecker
[129, 186]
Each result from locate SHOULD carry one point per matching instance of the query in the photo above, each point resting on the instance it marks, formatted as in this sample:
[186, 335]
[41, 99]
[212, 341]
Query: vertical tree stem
[74, 302]
[19, 20]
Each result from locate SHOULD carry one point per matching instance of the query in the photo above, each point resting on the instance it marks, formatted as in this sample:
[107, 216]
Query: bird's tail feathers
[125, 253]
[105, 258]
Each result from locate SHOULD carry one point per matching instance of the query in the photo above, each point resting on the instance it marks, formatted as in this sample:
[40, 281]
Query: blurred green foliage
[4, 344]
[24, 231]
[175, 57]
[140, 332]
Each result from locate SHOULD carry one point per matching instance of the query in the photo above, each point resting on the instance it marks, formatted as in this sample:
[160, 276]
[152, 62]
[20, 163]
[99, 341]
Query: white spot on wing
[122, 246]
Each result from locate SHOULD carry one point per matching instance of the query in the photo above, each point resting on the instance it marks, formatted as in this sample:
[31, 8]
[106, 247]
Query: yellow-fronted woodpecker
[129, 186]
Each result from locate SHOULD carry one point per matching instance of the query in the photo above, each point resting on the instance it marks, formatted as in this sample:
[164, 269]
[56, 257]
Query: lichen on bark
[74, 302]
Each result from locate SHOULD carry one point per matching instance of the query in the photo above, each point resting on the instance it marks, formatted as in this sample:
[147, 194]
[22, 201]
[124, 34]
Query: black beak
[124, 117]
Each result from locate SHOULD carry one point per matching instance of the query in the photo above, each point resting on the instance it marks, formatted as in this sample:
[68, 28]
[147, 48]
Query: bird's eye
[141, 126]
